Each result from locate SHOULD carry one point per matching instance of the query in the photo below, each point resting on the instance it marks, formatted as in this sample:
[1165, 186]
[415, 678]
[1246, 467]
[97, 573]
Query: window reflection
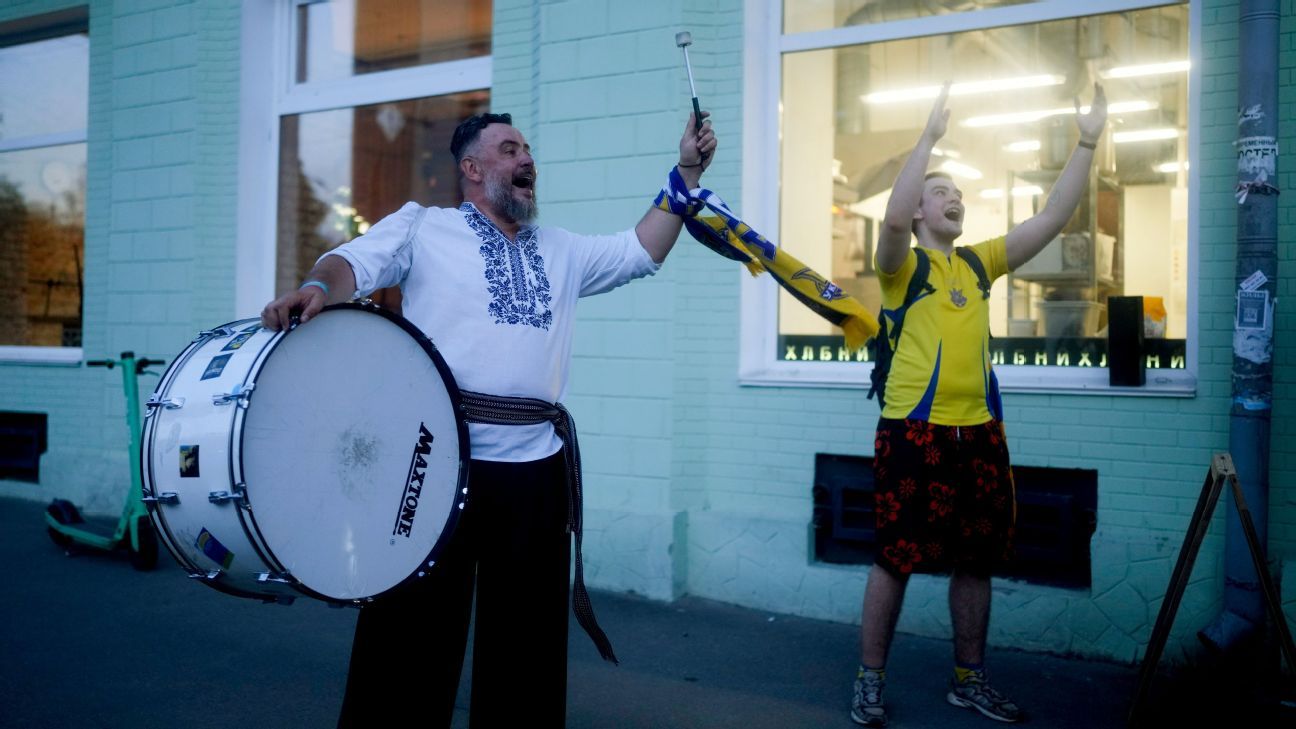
[43, 102]
[807, 15]
[43, 87]
[345, 38]
[42, 234]
[342, 170]
[851, 116]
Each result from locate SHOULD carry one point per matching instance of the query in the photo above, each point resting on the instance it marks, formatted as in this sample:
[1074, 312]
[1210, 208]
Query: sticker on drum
[215, 367]
[347, 455]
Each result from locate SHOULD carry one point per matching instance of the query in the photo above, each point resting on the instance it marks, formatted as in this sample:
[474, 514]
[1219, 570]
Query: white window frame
[26, 354]
[269, 92]
[764, 46]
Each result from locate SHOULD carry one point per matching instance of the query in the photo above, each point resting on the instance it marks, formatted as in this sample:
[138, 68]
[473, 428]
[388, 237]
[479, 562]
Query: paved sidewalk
[89, 642]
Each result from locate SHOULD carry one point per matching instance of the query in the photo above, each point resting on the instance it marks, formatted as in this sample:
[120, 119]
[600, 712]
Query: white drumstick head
[683, 39]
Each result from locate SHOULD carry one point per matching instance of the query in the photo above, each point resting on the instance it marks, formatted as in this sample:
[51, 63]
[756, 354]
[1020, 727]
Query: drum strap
[497, 410]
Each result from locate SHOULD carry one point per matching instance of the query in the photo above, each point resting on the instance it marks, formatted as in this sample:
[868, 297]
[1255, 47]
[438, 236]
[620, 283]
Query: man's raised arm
[658, 229]
[906, 193]
[1029, 238]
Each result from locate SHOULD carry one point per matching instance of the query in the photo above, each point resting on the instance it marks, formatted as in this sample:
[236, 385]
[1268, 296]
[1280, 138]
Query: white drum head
[353, 453]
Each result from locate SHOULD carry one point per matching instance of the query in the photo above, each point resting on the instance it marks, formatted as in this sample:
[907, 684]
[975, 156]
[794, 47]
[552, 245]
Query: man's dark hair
[469, 129]
[934, 173]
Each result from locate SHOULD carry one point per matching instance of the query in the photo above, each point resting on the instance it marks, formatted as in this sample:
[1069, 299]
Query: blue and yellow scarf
[724, 233]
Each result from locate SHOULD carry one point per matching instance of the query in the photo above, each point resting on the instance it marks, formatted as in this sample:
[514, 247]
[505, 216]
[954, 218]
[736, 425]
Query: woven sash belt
[496, 410]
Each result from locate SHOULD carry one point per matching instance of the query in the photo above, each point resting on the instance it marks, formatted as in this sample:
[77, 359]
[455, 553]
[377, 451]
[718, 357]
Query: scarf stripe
[724, 233]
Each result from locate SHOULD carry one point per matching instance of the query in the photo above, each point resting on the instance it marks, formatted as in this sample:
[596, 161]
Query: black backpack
[888, 337]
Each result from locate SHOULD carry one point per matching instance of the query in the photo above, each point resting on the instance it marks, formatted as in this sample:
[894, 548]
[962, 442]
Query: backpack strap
[974, 262]
[882, 342]
[918, 288]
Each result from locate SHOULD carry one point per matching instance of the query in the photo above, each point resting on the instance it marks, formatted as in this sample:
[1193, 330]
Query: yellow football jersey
[941, 369]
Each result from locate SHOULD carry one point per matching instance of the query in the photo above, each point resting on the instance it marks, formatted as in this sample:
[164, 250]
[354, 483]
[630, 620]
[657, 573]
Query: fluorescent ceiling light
[964, 88]
[1026, 145]
[961, 170]
[1147, 69]
[939, 152]
[1145, 135]
[1019, 191]
[1025, 117]
[1170, 167]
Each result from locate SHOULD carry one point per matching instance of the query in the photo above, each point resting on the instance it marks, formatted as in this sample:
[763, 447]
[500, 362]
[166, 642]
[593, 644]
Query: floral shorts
[944, 496]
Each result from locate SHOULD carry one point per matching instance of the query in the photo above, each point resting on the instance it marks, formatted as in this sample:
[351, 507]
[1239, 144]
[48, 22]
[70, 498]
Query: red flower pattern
[904, 555]
[987, 475]
[920, 432]
[908, 487]
[942, 502]
[888, 508]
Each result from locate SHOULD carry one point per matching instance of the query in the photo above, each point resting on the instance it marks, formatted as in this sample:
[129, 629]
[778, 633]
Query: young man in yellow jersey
[943, 482]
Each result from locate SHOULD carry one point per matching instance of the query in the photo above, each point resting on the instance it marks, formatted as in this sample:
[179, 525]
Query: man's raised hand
[939, 118]
[1091, 124]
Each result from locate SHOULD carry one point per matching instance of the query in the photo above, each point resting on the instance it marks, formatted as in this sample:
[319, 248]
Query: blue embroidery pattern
[515, 273]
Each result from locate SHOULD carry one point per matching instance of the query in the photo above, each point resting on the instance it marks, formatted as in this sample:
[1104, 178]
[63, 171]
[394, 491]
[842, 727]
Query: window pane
[805, 15]
[42, 235]
[852, 115]
[342, 170]
[345, 38]
[43, 86]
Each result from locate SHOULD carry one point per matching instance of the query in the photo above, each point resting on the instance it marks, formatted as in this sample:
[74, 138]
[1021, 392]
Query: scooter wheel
[146, 557]
[63, 512]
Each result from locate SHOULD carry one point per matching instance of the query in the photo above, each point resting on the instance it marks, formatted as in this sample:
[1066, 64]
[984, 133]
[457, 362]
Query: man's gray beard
[500, 194]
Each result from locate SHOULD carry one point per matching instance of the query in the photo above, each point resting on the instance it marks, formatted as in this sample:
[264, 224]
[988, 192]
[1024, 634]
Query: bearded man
[497, 295]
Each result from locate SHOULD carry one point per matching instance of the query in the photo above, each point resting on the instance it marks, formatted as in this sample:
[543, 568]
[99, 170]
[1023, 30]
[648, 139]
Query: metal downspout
[1243, 616]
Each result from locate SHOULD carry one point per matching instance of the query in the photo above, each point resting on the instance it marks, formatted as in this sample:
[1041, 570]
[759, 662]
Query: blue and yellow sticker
[212, 547]
[216, 366]
[237, 342]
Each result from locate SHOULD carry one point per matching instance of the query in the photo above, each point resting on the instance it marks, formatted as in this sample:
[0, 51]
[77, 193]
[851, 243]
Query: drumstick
[684, 39]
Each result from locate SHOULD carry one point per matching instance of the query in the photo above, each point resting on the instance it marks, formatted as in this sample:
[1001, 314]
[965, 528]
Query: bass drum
[329, 461]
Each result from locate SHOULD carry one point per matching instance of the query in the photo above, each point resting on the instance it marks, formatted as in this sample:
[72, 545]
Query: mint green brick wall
[159, 254]
[1282, 501]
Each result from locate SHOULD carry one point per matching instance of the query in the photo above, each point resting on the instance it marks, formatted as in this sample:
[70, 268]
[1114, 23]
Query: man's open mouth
[954, 214]
[524, 179]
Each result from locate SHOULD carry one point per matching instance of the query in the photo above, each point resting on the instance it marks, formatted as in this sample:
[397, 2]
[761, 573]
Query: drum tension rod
[240, 394]
[166, 497]
[219, 497]
[217, 332]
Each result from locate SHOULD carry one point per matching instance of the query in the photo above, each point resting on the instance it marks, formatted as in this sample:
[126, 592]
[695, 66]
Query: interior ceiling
[397, 29]
[873, 140]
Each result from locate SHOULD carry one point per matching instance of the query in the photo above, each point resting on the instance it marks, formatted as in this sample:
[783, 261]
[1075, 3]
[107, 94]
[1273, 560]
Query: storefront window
[851, 115]
[353, 150]
[342, 170]
[344, 38]
[806, 15]
[43, 93]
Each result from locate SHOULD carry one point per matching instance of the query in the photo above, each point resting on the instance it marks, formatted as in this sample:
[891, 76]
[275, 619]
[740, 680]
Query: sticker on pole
[1253, 310]
[1254, 281]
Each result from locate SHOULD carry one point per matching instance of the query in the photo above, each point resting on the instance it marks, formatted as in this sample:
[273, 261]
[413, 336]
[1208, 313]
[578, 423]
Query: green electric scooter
[134, 531]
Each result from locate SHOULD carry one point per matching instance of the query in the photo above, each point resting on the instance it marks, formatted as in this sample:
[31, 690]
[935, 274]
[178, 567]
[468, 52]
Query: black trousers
[409, 644]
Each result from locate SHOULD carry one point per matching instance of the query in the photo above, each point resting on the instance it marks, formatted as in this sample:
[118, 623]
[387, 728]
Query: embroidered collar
[477, 218]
